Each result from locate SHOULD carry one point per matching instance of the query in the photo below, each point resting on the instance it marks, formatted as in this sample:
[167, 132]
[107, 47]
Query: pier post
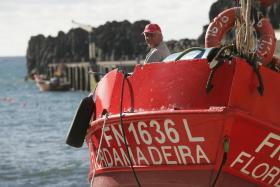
[72, 77]
[76, 78]
[86, 78]
[67, 71]
[82, 78]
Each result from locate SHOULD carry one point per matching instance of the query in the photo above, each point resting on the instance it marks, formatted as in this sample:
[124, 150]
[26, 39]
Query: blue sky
[22, 19]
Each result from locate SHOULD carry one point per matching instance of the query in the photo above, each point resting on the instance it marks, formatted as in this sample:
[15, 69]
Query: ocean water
[33, 127]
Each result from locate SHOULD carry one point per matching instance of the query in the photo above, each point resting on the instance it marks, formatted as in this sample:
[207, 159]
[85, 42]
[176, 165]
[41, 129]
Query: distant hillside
[115, 40]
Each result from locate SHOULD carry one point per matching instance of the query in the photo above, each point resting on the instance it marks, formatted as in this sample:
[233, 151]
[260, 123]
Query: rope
[98, 150]
[123, 132]
[226, 149]
[246, 39]
[215, 63]
[248, 34]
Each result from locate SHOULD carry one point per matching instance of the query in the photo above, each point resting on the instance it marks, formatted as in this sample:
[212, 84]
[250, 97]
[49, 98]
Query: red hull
[170, 178]
[176, 131]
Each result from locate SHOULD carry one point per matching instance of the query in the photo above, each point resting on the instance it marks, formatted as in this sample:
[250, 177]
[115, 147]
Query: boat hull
[187, 146]
[43, 85]
[174, 128]
[168, 178]
[46, 85]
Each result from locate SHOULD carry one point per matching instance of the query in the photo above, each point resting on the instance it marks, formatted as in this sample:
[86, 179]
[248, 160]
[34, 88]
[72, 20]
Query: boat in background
[54, 84]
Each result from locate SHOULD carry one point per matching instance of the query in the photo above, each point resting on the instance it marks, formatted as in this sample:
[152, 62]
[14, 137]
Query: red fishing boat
[204, 117]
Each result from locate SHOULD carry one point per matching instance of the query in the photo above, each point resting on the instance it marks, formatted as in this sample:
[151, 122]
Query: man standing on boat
[154, 39]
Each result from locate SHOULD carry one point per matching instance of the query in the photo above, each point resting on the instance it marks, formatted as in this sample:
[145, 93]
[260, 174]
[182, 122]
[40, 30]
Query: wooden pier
[81, 74]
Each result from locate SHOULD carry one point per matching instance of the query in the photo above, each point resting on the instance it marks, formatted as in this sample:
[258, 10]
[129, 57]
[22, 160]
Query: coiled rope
[246, 39]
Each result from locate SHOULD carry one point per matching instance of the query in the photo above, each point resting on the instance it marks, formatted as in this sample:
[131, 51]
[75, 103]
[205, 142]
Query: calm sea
[33, 127]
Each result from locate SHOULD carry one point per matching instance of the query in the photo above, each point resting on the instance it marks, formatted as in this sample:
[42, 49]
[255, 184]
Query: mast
[92, 47]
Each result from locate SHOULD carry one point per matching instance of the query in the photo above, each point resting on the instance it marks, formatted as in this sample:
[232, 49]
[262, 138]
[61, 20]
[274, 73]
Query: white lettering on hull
[116, 157]
[250, 164]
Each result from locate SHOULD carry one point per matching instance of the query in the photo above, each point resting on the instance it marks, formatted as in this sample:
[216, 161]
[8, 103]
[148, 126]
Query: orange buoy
[226, 20]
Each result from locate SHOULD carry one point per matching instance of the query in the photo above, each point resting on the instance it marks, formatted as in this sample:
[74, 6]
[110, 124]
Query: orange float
[226, 20]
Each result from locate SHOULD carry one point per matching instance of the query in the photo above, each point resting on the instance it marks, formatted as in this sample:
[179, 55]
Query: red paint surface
[176, 91]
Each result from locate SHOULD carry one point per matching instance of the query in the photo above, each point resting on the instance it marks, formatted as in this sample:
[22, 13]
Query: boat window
[190, 55]
[171, 57]
[194, 54]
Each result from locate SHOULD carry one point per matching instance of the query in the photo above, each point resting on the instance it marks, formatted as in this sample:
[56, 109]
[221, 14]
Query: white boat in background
[53, 84]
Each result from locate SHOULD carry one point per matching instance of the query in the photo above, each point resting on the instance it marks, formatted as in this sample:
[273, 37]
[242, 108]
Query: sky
[21, 19]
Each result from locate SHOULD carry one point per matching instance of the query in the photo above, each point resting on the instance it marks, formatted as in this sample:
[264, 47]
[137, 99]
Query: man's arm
[155, 56]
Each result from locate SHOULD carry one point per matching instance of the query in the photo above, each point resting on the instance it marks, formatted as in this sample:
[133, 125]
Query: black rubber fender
[80, 123]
